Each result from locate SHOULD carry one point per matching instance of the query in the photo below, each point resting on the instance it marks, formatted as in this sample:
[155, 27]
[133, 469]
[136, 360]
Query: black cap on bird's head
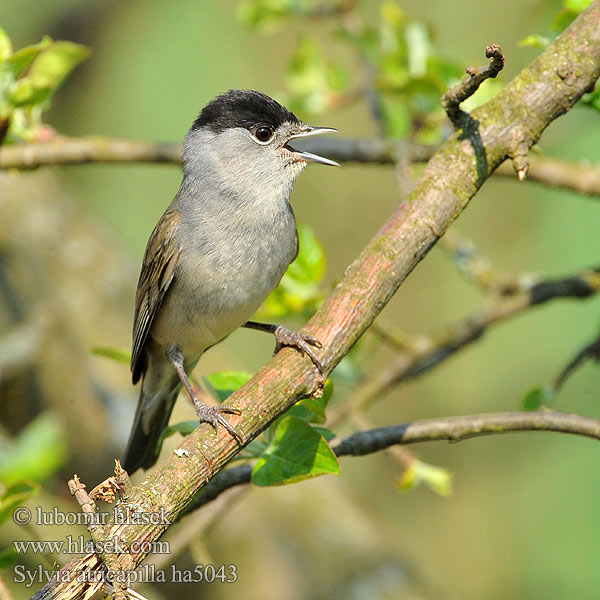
[269, 122]
[243, 108]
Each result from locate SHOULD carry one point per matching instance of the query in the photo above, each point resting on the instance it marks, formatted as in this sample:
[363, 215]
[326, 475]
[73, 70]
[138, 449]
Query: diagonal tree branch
[521, 111]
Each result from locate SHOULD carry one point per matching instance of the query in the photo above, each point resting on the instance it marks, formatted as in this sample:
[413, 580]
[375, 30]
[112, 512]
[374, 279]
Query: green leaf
[55, 63]
[314, 81]
[16, 494]
[391, 13]
[537, 397]
[577, 6]
[310, 264]
[24, 92]
[118, 354]
[8, 557]
[592, 99]
[397, 117]
[535, 41]
[5, 45]
[299, 291]
[417, 43]
[337, 77]
[224, 383]
[264, 14]
[39, 450]
[391, 27]
[438, 479]
[326, 433]
[312, 410]
[297, 452]
[28, 79]
[571, 10]
[20, 60]
[267, 15]
[562, 20]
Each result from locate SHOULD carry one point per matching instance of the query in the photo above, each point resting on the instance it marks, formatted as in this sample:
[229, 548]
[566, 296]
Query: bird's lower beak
[308, 156]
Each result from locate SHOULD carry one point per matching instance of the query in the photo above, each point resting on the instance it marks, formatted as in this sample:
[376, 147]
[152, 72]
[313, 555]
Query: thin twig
[88, 507]
[421, 353]
[591, 351]
[397, 452]
[456, 429]
[579, 177]
[470, 261]
[226, 479]
[468, 86]
[453, 429]
[75, 151]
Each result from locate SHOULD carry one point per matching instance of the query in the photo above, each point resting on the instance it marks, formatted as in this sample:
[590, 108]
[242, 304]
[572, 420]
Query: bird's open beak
[308, 156]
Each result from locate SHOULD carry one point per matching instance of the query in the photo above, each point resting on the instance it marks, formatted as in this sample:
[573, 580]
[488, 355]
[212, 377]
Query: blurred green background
[523, 521]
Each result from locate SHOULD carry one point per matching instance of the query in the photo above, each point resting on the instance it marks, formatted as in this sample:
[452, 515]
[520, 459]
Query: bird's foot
[213, 415]
[301, 341]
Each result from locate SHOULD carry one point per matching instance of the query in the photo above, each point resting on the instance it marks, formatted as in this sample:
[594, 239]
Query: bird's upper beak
[308, 156]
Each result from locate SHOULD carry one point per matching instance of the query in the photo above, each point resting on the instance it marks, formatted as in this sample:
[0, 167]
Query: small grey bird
[217, 252]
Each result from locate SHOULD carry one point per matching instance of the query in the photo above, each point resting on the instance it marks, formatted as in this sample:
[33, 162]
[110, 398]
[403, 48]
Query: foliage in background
[403, 75]
[569, 12]
[25, 462]
[38, 451]
[29, 78]
[403, 80]
[299, 291]
[485, 493]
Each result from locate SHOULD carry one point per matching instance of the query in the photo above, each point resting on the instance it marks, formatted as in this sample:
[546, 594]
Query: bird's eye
[263, 134]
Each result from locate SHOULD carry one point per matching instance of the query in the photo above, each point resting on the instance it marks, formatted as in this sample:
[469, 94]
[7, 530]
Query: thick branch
[450, 179]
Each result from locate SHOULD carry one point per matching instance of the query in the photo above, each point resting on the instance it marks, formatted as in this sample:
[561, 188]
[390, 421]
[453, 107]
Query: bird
[219, 249]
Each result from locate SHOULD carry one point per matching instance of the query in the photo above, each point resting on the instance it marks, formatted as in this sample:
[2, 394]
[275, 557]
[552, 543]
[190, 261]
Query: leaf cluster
[29, 78]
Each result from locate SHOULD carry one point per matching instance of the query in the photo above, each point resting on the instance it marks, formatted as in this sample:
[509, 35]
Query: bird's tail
[151, 417]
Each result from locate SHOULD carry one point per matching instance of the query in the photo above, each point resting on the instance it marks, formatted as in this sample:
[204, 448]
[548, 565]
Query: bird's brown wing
[158, 268]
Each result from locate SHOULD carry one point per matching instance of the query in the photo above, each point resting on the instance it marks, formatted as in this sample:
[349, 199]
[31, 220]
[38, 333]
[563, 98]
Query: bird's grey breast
[235, 252]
